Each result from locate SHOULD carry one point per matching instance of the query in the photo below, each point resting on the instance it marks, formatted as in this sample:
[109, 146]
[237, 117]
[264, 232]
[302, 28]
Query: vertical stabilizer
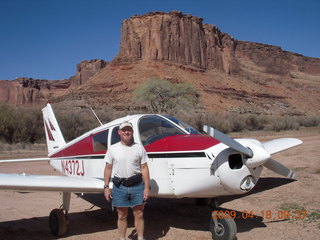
[54, 135]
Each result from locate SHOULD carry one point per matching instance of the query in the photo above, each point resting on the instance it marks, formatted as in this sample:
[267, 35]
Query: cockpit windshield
[154, 128]
[184, 125]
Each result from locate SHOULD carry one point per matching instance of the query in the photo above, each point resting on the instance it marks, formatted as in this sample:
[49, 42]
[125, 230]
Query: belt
[128, 182]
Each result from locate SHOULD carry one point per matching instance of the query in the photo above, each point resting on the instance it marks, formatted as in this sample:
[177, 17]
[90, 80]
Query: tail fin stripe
[51, 138]
[54, 137]
[51, 126]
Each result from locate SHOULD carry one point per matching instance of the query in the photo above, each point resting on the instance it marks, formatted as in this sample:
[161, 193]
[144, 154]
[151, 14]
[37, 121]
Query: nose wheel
[223, 229]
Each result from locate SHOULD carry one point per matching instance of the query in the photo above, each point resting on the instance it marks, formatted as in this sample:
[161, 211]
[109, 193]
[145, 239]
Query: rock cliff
[87, 69]
[178, 38]
[31, 91]
[186, 40]
[231, 75]
[25, 90]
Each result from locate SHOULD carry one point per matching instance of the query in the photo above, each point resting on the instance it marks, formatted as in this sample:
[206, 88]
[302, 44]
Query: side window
[100, 141]
[115, 136]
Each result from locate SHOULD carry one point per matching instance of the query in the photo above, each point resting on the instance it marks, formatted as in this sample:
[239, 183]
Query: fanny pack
[127, 182]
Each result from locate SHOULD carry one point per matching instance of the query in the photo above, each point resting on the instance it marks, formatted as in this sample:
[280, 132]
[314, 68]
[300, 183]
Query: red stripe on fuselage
[192, 142]
[83, 147]
[177, 143]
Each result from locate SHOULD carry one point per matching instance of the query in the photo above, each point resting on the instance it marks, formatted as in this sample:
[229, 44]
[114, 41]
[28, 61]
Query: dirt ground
[24, 215]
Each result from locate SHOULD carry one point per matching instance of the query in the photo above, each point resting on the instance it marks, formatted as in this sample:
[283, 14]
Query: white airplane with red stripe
[182, 163]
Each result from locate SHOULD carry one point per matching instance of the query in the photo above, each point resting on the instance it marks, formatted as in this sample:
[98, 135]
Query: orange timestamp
[265, 214]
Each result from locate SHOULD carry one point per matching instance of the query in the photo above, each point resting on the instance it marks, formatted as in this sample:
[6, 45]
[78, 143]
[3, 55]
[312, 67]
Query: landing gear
[223, 229]
[58, 220]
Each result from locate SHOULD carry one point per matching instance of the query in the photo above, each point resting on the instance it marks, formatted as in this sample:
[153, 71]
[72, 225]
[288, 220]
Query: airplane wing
[24, 182]
[24, 160]
[278, 145]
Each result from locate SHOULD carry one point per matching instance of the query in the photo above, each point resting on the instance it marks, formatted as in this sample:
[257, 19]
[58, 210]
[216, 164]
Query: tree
[163, 96]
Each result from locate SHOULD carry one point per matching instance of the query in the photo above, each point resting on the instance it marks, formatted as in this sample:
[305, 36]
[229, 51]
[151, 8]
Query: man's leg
[138, 219]
[122, 221]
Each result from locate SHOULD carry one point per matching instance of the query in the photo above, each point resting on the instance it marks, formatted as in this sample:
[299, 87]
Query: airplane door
[192, 177]
[160, 182]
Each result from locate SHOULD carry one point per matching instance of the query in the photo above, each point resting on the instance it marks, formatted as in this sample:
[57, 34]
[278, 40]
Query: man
[127, 160]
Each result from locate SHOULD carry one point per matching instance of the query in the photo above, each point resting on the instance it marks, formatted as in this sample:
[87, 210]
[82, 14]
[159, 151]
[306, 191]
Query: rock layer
[186, 40]
[31, 91]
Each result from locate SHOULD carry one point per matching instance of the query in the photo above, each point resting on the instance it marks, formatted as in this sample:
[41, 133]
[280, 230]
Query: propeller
[277, 167]
[227, 140]
[258, 154]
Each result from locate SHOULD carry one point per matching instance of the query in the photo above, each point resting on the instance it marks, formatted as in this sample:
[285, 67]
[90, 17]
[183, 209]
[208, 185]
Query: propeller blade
[227, 140]
[277, 167]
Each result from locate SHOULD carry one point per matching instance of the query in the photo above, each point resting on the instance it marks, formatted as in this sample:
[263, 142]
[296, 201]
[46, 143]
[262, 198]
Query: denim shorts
[123, 196]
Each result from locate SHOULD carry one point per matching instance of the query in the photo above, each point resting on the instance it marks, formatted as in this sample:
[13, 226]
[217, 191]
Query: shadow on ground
[160, 216]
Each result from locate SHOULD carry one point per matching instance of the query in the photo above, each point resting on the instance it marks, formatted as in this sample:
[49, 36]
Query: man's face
[126, 135]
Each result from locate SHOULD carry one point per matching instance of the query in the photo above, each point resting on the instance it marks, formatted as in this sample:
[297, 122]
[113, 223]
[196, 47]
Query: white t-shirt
[126, 160]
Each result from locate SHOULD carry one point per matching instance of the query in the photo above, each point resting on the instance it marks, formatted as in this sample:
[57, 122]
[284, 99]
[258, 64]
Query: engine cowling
[234, 175]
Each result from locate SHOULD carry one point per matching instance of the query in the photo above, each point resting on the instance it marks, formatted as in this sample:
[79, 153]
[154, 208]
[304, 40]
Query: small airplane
[182, 163]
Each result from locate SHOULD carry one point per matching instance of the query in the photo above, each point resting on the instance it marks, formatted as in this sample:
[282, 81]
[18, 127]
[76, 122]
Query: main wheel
[57, 222]
[226, 229]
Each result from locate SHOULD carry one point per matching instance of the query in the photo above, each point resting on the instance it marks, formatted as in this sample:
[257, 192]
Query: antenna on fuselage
[95, 116]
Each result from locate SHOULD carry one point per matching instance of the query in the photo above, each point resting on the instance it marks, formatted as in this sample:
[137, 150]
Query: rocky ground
[24, 215]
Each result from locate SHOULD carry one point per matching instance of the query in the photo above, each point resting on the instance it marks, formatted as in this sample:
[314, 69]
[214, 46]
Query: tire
[227, 229]
[57, 222]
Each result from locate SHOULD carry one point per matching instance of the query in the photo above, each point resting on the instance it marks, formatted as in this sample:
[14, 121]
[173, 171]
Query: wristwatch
[106, 186]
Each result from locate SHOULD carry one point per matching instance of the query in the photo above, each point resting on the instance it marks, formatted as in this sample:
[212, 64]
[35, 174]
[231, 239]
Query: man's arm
[107, 176]
[146, 179]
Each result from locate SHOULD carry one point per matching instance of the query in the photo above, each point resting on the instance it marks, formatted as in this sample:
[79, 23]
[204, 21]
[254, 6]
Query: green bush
[18, 124]
[162, 96]
[309, 121]
[25, 124]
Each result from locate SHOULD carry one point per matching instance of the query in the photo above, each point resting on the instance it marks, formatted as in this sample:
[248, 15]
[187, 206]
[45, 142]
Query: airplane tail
[54, 136]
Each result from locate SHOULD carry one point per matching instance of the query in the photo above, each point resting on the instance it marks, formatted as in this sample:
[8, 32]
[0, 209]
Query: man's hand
[108, 194]
[146, 194]
[107, 175]
[146, 180]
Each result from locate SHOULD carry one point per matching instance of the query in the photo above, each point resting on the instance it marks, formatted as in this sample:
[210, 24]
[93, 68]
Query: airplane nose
[234, 174]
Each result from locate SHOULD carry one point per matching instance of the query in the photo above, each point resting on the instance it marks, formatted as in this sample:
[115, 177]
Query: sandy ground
[25, 215]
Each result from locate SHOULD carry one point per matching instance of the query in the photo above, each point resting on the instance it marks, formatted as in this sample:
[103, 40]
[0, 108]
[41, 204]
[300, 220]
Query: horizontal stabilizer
[23, 182]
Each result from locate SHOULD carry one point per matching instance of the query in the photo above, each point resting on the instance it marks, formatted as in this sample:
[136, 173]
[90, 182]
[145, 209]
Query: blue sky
[46, 38]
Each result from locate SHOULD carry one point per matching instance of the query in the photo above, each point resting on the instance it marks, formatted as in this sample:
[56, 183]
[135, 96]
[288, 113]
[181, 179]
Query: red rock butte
[230, 75]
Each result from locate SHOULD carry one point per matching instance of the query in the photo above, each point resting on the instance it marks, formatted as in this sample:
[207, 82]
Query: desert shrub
[18, 124]
[221, 121]
[75, 122]
[162, 96]
[25, 124]
[309, 121]
[283, 123]
[232, 122]
[254, 122]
